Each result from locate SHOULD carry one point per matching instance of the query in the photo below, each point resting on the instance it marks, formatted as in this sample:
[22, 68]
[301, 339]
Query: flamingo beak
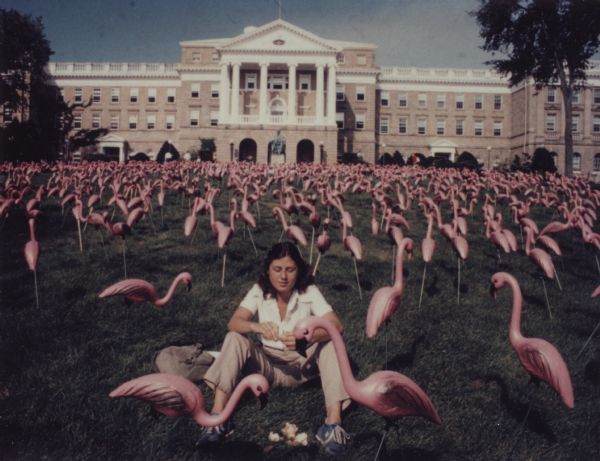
[301, 346]
[493, 290]
[263, 399]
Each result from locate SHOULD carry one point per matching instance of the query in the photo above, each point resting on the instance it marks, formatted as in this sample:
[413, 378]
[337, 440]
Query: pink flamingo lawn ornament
[223, 234]
[389, 393]
[386, 300]
[323, 243]
[32, 253]
[354, 246]
[540, 358]
[427, 251]
[293, 232]
[138, 291]
[174, 395]
[595, 294]
[543, 260]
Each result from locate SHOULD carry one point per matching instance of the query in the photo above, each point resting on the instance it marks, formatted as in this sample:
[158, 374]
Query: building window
[402, 125]
[194, 118]
[403, 100]
[596, 95]
[214, 118]
[551, 123]
[460, 101]
[479, 102]
[478, 128]
[440, 127]
[340, 93]
[440, 101]
[151, 95]
[61, 95]
[339, 120]
[576, 97]
[7, 114]
[77, 121]
[576, 161]
[422, 100]
[422, 126]
[277, 82]
[171, 95]
[360, 121]
[95, 120]
[384, 98]
[497, 128]
[460, 127]
[361, 60]
[114, 121]
[497, 102]
[597, 162]
[133, 121]
[305, 84]
[170, 122]
[78, 95]
[134, 94]
[151, 121]
[551, 95]
[384, 125]
[596, 124]
[360, 93]
[195, 90]
[115, 94]
[250, 82]
[214, 90]
[340, 58]
[215, 56]
[196, 56]
[96, 95]
[575, 123]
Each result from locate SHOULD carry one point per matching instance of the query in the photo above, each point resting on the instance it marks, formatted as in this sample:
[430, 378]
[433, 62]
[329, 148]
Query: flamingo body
[175, 395]
[540, 358]
[138, 291]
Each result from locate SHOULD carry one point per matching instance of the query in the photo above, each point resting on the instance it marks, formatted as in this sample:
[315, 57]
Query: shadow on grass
[406, 360]
[517, 410]
[234, 450]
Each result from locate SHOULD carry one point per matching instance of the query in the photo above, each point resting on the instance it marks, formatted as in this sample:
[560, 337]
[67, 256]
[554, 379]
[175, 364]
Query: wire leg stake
[422, 284]
[357, 280]
[546, 295]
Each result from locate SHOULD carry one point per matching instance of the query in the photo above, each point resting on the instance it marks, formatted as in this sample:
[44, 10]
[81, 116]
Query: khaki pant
[240, 356]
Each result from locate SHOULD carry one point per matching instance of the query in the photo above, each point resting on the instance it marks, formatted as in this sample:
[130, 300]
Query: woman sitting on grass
[283, 295]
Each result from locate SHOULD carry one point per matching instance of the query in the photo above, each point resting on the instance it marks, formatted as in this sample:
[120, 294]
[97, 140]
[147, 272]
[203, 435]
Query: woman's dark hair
[278, 251]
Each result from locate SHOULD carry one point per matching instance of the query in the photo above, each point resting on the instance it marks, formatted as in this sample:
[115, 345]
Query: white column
[262, 101]
[292, 119]
[319, 95]
[224, 94]
[331, 92]
[235, 93]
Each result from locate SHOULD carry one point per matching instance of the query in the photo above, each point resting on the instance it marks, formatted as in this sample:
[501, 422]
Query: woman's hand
[288, 340]
[268, 330]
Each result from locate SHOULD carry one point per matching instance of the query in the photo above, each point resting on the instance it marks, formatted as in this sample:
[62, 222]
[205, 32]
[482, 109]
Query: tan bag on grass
[191, 361]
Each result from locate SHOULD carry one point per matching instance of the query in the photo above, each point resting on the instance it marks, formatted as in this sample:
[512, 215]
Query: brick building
[327, 98]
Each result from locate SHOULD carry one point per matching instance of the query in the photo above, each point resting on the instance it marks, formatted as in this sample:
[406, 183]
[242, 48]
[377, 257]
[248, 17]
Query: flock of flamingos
[314, 195]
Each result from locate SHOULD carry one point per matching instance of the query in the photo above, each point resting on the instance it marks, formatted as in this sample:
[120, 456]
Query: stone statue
[278, 144]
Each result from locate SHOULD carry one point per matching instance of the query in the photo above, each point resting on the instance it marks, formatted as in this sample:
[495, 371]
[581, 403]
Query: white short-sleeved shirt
[300, 306]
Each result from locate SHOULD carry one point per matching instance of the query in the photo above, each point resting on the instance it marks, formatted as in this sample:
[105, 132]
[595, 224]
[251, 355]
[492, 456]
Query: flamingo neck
[31, 222]
[528, 240]
[429, 226]
[164, 300]
[348, 380]
[279, 212]
[514, 332]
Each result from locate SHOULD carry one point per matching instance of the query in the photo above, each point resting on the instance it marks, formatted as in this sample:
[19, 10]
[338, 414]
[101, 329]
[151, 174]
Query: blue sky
[428, 33]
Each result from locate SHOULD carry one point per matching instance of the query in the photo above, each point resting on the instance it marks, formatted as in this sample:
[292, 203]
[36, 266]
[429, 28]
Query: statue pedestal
[277, 159]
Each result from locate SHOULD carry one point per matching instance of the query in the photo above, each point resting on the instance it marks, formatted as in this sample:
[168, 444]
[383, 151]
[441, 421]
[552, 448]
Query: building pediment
[443, 143]
[110, 138]
[278, 36]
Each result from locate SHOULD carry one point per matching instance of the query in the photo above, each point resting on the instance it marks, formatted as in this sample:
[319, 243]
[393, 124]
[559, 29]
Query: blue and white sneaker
[213, 435]
[334, 438]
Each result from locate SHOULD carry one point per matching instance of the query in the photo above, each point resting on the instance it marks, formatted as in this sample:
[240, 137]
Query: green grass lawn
[58, 362]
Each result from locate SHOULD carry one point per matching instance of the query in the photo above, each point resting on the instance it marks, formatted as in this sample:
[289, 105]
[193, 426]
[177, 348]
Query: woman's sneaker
[212, 435]
[334, 438]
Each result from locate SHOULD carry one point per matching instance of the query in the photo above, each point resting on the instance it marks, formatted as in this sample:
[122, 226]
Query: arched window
[597, 162]
[576, 161]
[278, 107]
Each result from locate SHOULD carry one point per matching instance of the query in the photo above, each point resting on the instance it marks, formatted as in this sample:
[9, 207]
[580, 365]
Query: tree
[542, 161]
[207, 149]
[37, 127]
[550, 41]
